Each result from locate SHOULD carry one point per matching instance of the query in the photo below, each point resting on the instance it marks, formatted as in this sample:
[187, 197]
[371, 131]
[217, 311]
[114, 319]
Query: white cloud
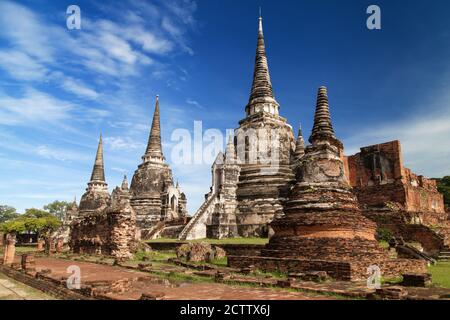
[79, 88]
[26, 31]
[32, 107]
[51, 153]
[194, 103]
[21, 66]
[122, 143]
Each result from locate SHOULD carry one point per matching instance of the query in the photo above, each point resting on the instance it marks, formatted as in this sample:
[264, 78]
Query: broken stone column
[28, 263]
[122, 219]
[40, 245]
[59, 245]
[49, 246]
[10, 249]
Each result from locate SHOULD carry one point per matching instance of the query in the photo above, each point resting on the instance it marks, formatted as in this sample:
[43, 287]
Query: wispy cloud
[122, 143]
[79, 88]
[424, 136]
[194, 103]
[32, 106]
[21, 66]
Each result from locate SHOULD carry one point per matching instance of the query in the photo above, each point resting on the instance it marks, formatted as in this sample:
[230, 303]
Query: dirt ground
[144, 283]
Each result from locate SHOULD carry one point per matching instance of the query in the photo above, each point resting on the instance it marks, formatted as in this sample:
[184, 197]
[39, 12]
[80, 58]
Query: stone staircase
[196, 228]
[444, 255]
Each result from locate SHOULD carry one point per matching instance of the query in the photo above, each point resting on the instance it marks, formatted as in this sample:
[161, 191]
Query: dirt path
[91, 272]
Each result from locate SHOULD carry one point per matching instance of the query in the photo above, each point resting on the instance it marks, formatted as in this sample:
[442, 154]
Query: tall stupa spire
[98, 172]
[230, 153]
[154, 147]
[323, 128]
[300, 145]
[261, 96]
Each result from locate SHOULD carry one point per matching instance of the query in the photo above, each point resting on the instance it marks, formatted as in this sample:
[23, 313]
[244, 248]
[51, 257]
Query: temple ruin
[103, 223]
[267, 183]
[112, 224]
[155, 197]
[263, 146]
[322, 228]
[256, 190]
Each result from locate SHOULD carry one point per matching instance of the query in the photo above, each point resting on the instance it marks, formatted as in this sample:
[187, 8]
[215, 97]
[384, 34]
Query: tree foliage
[7, 213]
[33, 220]
[58, 208]
[444, 188]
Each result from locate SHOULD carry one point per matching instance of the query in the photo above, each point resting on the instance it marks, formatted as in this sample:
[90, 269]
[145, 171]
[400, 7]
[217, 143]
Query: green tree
[58, 208]
[36, 213]
[7, 213]
[42, 224]
[444, 188]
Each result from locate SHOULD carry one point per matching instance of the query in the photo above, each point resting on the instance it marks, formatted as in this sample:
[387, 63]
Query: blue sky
[60, 88]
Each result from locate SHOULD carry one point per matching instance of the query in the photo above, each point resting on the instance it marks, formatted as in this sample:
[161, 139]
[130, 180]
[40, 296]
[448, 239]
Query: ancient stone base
[338, 270]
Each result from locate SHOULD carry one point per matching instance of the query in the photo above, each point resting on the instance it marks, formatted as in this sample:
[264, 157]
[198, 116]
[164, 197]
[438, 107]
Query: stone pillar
[59, 245]
[40, 245]
[28, 263]
[2, 239]
[10, 249]
[49, 246]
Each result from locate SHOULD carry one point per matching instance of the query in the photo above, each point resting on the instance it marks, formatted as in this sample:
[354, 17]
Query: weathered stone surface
[110, 231]
[9, 249]
[219, 253]
[416, 279]
[323, 228]
[245, 198]
[28, 263]
[200, 252]
[196, 252]
[154, 196]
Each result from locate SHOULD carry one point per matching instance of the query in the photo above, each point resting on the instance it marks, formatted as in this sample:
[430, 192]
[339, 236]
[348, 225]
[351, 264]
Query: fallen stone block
[152, 296]
[416, 279]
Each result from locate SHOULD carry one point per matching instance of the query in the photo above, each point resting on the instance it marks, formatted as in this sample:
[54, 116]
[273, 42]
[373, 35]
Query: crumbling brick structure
[323, 228]
[155, 197]
[407, 204]
[105, 224]
[378, 177]
[264, 145]
[376, 174]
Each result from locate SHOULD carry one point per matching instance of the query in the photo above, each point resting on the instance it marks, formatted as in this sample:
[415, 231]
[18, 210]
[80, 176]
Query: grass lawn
[218, 241]
[21, 250]
[441, 274]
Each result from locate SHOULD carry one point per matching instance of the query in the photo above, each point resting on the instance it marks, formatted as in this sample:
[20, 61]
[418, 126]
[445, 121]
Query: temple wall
[109, 232]
[378, 177]
[263, 183]
[342, 270]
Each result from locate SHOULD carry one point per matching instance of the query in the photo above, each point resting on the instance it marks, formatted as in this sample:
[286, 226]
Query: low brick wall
[346, 271]
[336, 270]
[50, 287]
[230, 249]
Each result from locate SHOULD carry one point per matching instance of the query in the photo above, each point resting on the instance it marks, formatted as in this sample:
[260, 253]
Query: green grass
[275, 274]
[153, 255]
[384, 244]
[218, 241]
[182, 277]
[22, 250]
[441, 274]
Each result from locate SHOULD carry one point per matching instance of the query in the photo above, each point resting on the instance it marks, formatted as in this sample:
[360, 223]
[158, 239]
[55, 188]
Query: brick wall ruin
[408, 204]
[378, 177]
[108, 231]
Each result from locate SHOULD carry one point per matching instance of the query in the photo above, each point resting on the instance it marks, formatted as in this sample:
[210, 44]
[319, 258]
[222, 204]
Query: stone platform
[338, 270]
